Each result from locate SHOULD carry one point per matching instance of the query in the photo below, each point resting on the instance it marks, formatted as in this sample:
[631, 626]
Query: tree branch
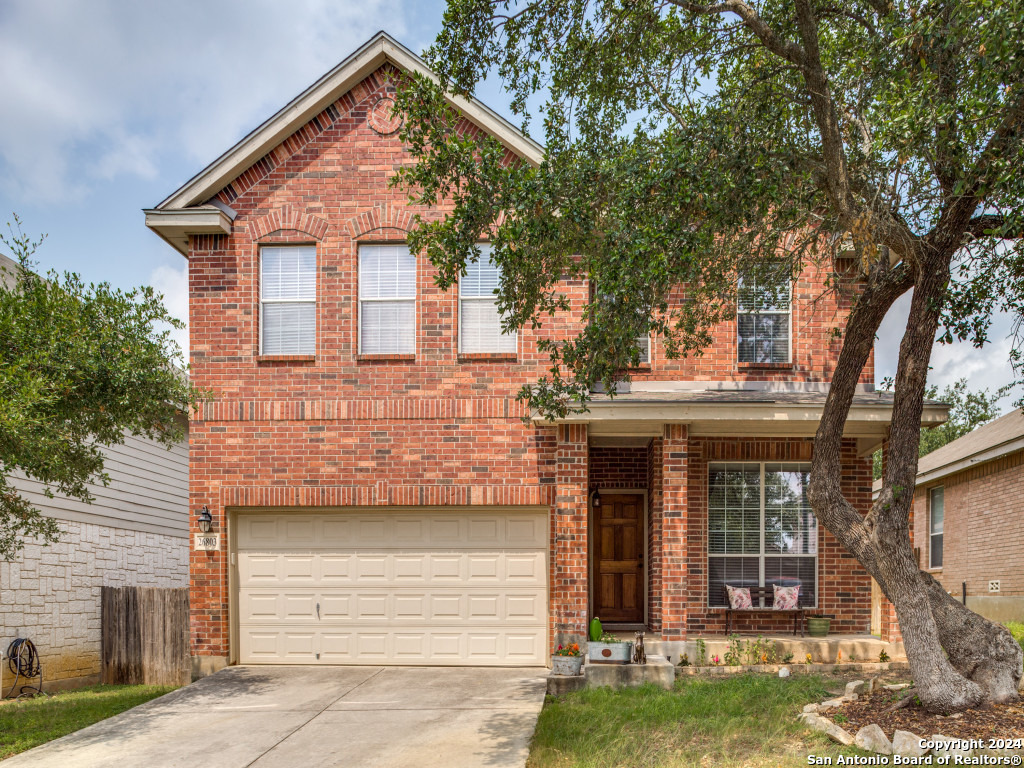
[787, 49]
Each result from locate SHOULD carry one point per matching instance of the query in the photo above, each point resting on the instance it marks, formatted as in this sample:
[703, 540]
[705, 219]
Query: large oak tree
[687, 143]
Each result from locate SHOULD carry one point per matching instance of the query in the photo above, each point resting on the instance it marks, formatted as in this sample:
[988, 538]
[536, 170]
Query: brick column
[654, 560]
[674, 564]
[569, 584]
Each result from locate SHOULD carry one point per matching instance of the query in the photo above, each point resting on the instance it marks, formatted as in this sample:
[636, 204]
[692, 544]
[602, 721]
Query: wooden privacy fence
[145, 636]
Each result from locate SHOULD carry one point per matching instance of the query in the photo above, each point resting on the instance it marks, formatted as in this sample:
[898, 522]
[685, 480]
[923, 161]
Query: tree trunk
[984, 663]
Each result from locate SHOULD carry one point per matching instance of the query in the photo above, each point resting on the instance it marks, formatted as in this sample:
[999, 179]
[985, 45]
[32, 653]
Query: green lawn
[740, 720]
[29, 723]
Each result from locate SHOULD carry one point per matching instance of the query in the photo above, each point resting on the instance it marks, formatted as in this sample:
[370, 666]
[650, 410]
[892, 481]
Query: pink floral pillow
[786, 598]
[739, 597]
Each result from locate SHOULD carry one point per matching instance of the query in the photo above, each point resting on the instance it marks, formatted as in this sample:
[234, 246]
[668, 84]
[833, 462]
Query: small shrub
[702, 653]
[788, 658]
[684, 660]
[734, 656]
[883, 657]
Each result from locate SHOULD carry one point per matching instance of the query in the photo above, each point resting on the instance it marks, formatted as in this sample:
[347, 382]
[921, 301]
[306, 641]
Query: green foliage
[29, 723]
[1017, 630]
[686, 144]
[81, 366]
[734, 655]
[702, 653]
[883, 657]
[968, 410]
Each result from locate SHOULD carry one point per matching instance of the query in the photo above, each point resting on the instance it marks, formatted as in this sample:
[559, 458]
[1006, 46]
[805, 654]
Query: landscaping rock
[854, 688]
[811, 708]
[873, 739]
[783, 672]
[826, 726]
[896, 686]
[831, 704]
[944, 745]
[869, 688]
[906, 744]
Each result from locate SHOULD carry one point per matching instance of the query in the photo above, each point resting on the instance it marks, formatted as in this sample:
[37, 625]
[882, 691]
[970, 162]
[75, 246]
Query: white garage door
[393, 587]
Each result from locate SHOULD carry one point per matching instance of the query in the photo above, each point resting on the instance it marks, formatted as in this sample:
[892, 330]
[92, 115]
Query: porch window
[761, 529]
[936, 519]
[763, 322]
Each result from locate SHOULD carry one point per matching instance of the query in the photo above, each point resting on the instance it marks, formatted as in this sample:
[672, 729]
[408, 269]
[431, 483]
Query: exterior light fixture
[596, 502]
[205, 519]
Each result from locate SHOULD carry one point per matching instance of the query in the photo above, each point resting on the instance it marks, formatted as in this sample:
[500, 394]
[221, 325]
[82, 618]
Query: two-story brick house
[378, 496]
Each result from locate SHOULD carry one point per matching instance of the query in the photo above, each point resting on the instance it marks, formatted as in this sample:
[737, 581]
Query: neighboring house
[375, 494]
[969, 517]
[134, 533]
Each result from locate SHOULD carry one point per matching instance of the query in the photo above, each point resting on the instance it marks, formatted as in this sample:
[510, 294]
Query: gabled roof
[191, 210]
[992, 441]
[996, 439]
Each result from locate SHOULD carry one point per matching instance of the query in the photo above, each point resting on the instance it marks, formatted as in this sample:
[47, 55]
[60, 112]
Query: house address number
[207, 542]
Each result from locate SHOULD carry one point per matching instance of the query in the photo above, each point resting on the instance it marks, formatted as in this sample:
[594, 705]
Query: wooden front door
[619, 558]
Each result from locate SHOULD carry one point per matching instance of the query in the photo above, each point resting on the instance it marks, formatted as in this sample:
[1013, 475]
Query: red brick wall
[334, 429]
[625, 467]
[983, 527]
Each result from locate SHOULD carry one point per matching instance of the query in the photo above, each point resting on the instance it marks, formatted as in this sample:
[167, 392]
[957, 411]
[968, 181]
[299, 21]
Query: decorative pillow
[739, 597]
[786, 598]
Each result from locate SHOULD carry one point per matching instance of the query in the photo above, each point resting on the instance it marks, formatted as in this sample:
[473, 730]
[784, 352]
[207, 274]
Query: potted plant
[817, 626]
[610, 650]
[567, 660]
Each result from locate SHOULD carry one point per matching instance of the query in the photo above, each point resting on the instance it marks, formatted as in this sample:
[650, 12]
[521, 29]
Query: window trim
[931, 533]
[789, 332]
[359, 304]
[761, 555]
[459, 351]
[315, 301]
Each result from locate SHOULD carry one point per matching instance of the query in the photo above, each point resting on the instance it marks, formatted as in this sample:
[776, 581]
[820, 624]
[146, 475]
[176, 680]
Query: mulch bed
[1000, 721]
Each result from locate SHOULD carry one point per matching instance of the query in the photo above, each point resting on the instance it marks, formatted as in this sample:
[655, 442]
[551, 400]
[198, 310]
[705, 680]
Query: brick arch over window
[288, 219]
[380, 217]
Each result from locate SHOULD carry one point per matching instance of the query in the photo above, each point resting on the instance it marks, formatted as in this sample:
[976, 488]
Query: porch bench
[756, 594]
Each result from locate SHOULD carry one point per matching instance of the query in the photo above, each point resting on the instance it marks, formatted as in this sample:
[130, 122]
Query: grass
[31, 722]
[1017, 630]
[738, 720]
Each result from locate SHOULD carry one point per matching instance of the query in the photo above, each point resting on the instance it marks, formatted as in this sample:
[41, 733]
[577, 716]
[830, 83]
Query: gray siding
[148, 490]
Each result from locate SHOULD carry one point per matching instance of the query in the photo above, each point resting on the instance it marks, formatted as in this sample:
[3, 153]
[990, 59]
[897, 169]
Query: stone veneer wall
[51, 594]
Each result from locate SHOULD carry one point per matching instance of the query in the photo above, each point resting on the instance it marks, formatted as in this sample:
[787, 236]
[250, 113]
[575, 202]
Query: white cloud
[100, 90]
[985, 368]
[173, 284]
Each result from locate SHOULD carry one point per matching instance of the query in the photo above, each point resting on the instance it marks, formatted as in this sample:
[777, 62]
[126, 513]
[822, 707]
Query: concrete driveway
[317, 716]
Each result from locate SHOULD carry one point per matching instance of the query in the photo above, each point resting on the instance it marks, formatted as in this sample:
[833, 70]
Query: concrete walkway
[317, 717]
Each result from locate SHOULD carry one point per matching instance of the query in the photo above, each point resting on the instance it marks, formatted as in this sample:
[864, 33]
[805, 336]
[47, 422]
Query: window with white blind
[479, 319]
[761, 529]
[644, 343]
[387, 300]
[763, 322]
[936, 520]
[288, 300]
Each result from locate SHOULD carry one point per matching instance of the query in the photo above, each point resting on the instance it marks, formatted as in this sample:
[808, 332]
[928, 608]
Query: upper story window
[479, 320]
[761, 529]
[763, 322]
[387, 300]
[644, 342]
[936, 518]
[288, 300]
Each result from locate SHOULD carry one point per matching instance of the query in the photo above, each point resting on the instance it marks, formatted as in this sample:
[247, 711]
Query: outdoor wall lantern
[205, 519]
[596, 502]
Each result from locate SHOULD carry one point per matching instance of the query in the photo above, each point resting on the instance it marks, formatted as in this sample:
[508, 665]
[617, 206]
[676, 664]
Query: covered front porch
[663, 499]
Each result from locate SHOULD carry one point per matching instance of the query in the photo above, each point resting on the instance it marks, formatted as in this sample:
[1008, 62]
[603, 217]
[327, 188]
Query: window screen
[387, 300]
[763, 322]
[288, 300]
[479, 320]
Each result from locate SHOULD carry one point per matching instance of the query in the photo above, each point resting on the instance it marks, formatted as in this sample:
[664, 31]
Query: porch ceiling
[740, 413]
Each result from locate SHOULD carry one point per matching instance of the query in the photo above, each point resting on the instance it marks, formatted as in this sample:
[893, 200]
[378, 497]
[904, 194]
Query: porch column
[674, 563]
[569, 592]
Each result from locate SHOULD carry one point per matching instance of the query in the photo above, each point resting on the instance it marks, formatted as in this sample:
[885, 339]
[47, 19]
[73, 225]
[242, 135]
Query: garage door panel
[414, 587]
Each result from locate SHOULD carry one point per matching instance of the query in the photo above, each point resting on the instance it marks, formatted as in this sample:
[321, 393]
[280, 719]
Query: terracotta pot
[568, 666]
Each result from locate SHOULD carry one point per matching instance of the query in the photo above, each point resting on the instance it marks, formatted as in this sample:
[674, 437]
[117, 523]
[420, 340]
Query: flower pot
[817, 626]
[568, 666]
[610, 653]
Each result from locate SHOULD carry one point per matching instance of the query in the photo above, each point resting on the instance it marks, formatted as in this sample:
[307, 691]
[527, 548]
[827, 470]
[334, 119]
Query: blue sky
[110, 106]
